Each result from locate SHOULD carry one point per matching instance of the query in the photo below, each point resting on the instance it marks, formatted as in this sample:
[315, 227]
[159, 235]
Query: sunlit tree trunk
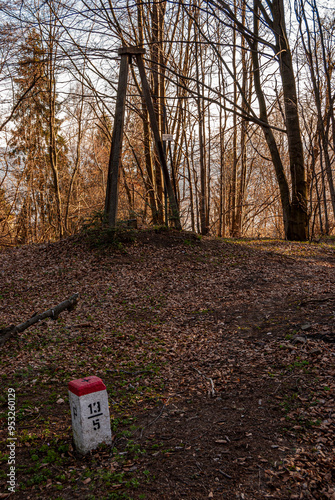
[156, 87]
[297, 226]
[151, 184]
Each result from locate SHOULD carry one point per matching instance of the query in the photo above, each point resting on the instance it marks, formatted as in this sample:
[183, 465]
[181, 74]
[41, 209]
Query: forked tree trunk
[294, 204]
[298, 216]
[159, 184]
[152, 192]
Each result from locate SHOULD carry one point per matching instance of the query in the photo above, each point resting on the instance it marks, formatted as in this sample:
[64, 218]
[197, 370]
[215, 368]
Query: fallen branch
[312, 301]
[212, 391]
[53, 313]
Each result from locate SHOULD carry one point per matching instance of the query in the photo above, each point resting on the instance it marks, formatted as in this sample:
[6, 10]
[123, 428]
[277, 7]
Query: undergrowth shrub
[98, 234]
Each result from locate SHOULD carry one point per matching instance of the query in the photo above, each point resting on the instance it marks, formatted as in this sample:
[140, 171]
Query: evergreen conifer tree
[31, 146]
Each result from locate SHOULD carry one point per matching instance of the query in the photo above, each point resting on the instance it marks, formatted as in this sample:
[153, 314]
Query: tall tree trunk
[298, 215]
[77, 161]
[200, 108]
[294, 206]
[155, 48]
[233, 229]
[268, 133]
[243, 154]
[53, 154]
[323, 118]
[146, 133]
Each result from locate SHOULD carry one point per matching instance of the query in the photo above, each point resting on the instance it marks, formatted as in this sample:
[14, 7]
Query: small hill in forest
[218, 356]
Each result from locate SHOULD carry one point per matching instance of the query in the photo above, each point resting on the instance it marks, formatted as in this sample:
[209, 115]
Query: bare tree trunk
[233, 228]
[158, 143]
[298, 215]
[243, 154]
[323, 121]
[268, 133]
[146, 133]
[53, 154]
[200, 108]
[80, 135]
[155, 48]
[189, 178]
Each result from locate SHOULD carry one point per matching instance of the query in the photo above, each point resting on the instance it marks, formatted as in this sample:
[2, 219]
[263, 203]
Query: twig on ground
[225, 474]
[155, 419]
[284, 379]
[310, 301]
[212, 391]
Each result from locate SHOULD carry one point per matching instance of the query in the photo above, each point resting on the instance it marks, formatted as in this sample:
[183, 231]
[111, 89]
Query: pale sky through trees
[227, 168]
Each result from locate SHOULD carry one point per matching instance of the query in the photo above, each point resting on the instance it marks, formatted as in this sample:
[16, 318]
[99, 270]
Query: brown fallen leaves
[169, 324]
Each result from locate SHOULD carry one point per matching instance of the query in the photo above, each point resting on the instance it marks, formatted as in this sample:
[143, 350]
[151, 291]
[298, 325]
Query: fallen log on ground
[53, 313]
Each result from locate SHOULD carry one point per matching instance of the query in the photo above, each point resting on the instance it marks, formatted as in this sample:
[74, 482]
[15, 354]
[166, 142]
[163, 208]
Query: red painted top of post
[86, 385]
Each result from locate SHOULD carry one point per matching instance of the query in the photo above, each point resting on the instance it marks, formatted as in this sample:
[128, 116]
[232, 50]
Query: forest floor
[218, 356]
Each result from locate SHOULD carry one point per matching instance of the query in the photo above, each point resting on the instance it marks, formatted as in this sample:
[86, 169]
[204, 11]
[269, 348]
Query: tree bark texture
[298, 216]
[159, 144]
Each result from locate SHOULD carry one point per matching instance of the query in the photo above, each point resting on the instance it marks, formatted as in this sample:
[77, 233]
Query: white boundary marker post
[90, 413]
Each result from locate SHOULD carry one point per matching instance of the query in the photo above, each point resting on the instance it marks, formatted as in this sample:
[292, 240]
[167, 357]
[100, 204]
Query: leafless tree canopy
[246, 89]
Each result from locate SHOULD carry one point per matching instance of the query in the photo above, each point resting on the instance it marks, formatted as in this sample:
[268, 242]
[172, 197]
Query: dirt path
[218, 358]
